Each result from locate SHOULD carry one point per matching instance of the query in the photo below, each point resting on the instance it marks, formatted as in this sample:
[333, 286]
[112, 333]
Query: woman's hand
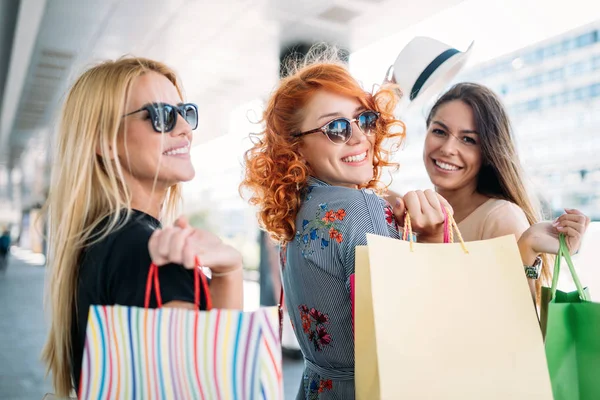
[426, 215]
[181, 244]
[543, 237]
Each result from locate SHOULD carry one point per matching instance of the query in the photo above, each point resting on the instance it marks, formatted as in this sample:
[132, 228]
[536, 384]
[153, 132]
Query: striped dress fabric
[318, 264]
[171, 353]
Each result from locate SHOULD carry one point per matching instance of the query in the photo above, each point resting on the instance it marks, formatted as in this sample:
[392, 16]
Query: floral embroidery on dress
[389, 216]
[324, 227]
[313, 387]
[325, 384]
[308, 194]
[313, 325]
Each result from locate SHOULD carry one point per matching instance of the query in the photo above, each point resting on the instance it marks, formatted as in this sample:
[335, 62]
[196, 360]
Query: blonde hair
[88, 186]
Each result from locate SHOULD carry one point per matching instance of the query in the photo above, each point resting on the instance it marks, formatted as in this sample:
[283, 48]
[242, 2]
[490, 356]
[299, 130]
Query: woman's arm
[182, 244]
[543, 237]
[538, 239]
[426, 215]
[227, 291]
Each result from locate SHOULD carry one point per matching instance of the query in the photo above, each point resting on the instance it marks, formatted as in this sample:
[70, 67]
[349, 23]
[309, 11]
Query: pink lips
[351, 158]
[356, 154]
[175, 152]
[436, 163]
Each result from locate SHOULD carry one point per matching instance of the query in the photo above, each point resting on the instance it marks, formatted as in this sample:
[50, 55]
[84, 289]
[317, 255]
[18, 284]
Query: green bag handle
[563, 251]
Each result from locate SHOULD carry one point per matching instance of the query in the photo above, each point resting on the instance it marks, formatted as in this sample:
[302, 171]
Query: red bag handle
[282, 258]
[198, 276]
[447, 228]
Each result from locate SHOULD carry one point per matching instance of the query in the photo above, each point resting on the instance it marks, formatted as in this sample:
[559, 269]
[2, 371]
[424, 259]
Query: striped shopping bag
[170, 353]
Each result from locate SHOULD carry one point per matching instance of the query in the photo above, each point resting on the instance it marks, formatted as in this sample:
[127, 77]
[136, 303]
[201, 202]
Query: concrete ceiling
[225, 51]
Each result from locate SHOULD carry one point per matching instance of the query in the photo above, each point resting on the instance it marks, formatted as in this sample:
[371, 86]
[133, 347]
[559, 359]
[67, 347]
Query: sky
[496, 27]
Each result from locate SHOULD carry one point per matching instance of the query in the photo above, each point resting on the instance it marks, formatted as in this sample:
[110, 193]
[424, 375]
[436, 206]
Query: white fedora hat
[424, 67]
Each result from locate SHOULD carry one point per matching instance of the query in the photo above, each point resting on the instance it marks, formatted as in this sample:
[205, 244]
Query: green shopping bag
[571, 322]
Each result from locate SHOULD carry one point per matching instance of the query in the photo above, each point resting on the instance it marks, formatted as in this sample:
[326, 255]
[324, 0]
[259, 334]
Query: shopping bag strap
[450, 226]
[205, 288]
[563, 252]
[448, 235]
[282, 250]
[199, 277]
[280, 308]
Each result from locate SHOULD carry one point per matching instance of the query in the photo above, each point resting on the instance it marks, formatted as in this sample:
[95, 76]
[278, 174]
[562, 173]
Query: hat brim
[442, 76]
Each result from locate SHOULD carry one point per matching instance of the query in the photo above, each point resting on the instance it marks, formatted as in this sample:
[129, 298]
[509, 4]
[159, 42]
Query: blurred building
[226, 52]
[552, 92]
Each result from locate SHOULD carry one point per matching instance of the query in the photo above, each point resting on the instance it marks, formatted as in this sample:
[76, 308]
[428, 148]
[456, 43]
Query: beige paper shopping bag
[366, 374]
[447, 324]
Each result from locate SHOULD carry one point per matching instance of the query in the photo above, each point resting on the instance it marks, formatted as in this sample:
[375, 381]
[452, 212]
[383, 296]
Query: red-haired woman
[314, 175]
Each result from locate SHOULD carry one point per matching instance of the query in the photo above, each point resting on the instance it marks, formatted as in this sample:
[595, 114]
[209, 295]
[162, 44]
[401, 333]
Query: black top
[115, 270]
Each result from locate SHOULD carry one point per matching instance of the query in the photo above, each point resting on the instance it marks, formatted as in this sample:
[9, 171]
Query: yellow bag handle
[450, 226]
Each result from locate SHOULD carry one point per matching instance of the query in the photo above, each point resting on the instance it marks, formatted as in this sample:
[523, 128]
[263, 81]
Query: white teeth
[447, 167]
[356, 158]
[181, 150]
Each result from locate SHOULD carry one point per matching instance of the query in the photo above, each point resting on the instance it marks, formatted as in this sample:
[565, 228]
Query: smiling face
[452, 152]
[146, 154]
[349, 164]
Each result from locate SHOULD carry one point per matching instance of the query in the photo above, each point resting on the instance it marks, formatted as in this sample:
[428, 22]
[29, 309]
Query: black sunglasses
[163, 116]
[339, 131]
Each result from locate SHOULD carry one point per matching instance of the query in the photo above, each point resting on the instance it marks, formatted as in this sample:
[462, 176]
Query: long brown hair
[275, 172]
[86, 188]
[501, 175]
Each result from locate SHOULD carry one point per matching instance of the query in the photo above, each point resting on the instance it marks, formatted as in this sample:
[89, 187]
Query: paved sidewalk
[22, 330]
[23, 325]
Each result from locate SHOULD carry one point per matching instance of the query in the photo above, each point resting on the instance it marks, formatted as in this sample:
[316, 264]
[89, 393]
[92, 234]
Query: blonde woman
[123, 149]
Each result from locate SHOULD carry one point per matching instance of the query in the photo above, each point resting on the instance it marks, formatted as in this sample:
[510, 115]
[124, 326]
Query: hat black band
[427, 72]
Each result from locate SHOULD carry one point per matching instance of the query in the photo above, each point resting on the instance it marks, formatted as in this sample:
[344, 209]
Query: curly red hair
[276, 174]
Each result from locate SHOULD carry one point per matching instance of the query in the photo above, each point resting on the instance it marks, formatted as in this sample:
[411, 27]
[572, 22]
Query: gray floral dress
[318, 264]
